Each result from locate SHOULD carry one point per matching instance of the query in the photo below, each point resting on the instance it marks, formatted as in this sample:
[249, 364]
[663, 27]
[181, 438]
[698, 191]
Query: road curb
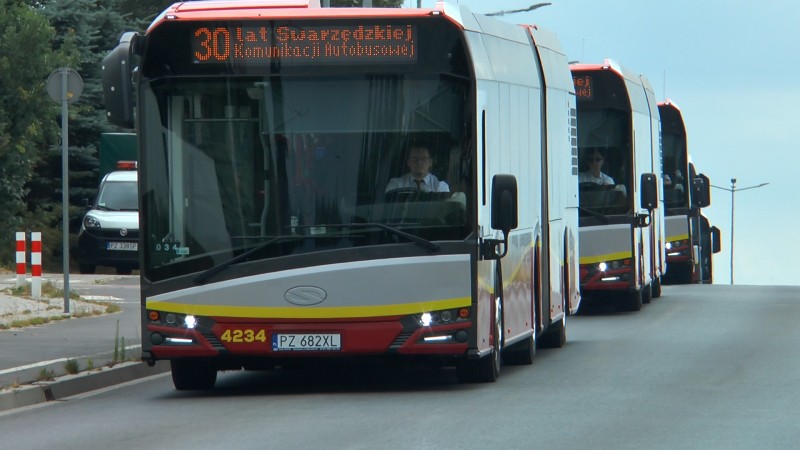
[69, 385]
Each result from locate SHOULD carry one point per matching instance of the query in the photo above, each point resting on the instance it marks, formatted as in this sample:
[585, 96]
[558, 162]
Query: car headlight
[91, 222]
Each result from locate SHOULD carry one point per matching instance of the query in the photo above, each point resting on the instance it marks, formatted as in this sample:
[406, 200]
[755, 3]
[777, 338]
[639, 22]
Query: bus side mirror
[716, 245]
[649, 191]
[701, 191]
[504, 215]
[117, 86]
[504, 203]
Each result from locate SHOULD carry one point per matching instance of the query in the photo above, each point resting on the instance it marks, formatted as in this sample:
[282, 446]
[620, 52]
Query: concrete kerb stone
[18, 397]
[69, 385]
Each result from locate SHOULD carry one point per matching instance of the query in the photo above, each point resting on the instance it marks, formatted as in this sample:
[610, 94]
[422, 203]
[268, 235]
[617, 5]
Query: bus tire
[522, 353]
[647, 293]
[632, 301]
[657, 287]
[556, 335]
[192, 375]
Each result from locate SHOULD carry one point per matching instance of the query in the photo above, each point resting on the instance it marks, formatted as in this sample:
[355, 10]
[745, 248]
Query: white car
[109, 234]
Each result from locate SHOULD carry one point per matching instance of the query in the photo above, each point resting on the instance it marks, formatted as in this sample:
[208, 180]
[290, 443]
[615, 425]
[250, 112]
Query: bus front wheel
[192, 375]
[632, 301]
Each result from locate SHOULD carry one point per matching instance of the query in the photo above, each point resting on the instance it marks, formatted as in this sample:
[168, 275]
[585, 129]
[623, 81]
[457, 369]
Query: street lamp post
[733, 190]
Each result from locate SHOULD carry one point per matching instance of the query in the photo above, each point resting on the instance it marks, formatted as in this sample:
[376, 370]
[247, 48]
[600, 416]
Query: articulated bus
[271, 137]
[621, 224]
[689, 241]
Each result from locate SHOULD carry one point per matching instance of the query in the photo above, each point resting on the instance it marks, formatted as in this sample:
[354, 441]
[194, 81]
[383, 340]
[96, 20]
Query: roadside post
[65, 85]
[20, 258]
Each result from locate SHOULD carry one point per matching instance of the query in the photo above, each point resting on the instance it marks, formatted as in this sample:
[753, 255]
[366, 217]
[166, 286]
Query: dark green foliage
[26, 113]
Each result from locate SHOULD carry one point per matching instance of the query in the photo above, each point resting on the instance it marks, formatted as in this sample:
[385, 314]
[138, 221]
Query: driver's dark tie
[419, 184]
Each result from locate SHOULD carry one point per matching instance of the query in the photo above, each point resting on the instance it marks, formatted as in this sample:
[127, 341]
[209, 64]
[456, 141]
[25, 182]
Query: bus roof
[278, 9]
[671, 117]
[608, 64]
[669, 103]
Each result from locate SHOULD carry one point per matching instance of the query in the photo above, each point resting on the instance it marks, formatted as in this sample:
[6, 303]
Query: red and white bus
[690, 240]
[621, 222]
[268, 133]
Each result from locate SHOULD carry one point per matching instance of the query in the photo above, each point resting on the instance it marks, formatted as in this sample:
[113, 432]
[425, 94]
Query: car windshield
[118, 196]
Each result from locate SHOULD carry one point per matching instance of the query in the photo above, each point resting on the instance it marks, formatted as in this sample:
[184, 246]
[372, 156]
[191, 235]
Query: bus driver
[419, 177]
[593, 174]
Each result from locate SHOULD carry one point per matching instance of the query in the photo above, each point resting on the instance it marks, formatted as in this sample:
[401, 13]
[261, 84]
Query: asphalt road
[27, 351]
[706, 367]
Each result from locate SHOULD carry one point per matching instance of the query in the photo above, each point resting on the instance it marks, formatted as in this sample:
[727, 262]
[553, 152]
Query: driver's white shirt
[429, 183]
[603, 179]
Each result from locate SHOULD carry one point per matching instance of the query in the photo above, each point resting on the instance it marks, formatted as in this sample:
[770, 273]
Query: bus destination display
[304, 44]
[584, 89]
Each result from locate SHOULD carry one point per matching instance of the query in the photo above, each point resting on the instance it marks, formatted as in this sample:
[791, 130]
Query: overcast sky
[733, 68]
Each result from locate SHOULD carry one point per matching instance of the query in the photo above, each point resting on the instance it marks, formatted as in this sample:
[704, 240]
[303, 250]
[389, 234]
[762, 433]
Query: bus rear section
[617, 191]
[276, 227]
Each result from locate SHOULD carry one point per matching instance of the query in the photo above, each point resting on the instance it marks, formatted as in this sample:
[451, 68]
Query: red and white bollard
[36, 264]
[20, 258]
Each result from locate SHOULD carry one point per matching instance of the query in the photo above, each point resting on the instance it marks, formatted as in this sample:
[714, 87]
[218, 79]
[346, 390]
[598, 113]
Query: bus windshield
[234, 162]
[604, 161]
[676, 192]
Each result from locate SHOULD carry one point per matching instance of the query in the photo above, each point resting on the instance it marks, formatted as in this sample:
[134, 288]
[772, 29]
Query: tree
[84, 30]
[26, 112]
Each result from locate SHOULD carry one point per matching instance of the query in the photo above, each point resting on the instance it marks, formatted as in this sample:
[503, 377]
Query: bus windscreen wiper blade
[595, 214]
[432, 246]
[224, 265]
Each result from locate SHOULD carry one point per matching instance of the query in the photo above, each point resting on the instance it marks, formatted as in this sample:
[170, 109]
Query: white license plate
[306, 342]
[124, 246]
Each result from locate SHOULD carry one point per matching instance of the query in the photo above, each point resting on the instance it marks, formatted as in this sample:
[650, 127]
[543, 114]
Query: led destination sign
[304, 44]
[584, 88]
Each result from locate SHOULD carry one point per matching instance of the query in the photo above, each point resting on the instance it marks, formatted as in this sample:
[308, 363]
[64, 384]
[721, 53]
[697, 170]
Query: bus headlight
[442, 317]
[190, 321]
[425, 319]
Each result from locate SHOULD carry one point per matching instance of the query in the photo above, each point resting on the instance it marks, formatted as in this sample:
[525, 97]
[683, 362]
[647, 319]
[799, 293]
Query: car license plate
[124, 246]
[306, 342]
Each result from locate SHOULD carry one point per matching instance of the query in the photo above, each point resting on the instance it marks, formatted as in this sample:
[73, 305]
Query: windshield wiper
[424, 243]
[199, 279]
[594, 214]
[224, 265]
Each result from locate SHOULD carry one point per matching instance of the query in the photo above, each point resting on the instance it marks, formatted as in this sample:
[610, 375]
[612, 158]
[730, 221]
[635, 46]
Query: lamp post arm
[514, 11]
[752, 187]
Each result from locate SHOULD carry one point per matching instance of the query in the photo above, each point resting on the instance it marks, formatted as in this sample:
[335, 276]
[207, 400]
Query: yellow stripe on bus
[606, 258]
[341, 312]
